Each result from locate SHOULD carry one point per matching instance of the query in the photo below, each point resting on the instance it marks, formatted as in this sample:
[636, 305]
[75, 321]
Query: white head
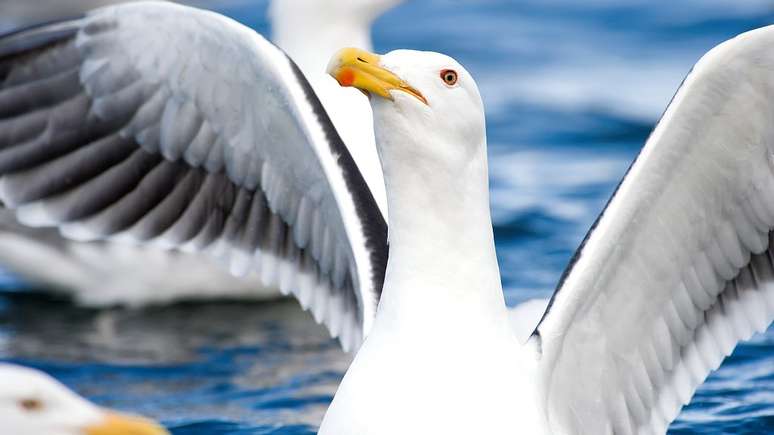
[428, 113]
[310, 30]
[33, 403]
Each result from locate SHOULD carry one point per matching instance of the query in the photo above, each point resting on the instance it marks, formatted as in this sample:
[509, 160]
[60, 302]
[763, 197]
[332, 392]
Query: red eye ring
[449, 76]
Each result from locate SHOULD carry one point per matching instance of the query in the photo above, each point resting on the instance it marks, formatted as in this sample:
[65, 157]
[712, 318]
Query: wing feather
[153, 122]
[678, 268]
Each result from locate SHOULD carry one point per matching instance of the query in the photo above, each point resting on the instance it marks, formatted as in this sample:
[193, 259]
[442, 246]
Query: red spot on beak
[346, 77]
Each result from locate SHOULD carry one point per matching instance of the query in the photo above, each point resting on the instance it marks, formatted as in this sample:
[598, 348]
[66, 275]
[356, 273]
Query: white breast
[457, 381]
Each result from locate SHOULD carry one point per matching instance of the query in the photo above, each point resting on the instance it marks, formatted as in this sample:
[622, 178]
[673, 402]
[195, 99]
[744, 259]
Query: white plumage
[176, 143]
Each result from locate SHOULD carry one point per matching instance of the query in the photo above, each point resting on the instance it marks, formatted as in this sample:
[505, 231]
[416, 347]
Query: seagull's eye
[31, 405]
[449, 76]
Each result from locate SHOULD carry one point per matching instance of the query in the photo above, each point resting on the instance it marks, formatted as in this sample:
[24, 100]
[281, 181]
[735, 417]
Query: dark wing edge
[86, 146]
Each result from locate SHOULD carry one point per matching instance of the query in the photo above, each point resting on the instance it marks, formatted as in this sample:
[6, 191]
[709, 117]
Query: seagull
[33, 403]
[157, 123]
[675, 272]
[105, 274]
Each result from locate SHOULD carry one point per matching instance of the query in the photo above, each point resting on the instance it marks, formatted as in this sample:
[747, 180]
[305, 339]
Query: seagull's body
[162, 137]
[454, 377]
[33, 403]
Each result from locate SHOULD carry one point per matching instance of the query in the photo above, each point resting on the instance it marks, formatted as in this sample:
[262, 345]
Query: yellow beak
[362, 70]
[118, 424]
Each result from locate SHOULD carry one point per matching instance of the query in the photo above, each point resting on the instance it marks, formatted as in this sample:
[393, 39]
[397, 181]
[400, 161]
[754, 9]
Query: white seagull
[33, 403]
[155, 122]
[101, 274]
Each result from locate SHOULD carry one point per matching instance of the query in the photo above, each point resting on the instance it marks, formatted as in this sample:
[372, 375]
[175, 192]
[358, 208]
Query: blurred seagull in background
[103, 274]
[158, 123]
[33, 403]
[18, 14]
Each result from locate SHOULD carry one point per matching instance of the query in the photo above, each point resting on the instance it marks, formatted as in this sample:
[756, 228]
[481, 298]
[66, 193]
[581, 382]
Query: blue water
[572, 89]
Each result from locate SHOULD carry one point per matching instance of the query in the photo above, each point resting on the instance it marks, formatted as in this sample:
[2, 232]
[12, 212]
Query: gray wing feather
[156, 122]
[679, 267]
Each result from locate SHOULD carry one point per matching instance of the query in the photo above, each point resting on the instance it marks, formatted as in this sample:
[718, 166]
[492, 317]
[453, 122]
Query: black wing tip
[536, 340]
[374, 225]
[37, 35]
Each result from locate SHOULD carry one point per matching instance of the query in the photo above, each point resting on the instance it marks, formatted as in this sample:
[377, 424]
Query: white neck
[442, 265]
[311, 32]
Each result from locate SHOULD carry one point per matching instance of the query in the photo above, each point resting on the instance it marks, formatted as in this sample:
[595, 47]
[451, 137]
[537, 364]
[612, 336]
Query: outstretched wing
[154, 122]
[678, 268]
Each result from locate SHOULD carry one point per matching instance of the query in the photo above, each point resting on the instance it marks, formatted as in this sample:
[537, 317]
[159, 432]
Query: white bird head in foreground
[33, 403]
[427, 96]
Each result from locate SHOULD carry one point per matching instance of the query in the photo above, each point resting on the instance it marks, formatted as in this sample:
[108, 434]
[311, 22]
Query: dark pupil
[449, 77]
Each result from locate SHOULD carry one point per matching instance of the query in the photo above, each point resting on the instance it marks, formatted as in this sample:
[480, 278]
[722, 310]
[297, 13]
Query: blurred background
[572, 88]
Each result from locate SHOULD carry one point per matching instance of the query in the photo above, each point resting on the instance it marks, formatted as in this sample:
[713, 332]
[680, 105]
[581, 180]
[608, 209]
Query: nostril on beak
[361, 60]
